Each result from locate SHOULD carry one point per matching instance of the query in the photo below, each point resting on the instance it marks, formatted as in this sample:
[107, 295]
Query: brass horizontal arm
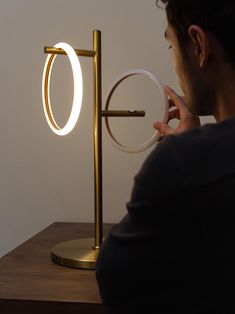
[122, 113]
[79, 52]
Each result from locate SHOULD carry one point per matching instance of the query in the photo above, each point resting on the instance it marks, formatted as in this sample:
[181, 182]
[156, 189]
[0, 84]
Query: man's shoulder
[206, 154]
[201, 154]
[208, 136]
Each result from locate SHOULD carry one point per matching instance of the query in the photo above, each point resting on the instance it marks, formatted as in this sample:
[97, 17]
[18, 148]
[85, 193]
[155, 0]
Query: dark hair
[216, 16]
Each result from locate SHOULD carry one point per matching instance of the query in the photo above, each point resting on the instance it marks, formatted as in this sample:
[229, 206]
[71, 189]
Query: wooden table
[31, 283]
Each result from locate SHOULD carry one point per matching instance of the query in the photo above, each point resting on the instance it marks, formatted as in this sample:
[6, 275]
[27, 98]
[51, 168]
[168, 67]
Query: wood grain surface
[31, 283]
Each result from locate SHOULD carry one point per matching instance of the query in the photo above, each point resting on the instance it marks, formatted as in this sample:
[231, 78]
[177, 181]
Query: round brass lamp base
[75, 253]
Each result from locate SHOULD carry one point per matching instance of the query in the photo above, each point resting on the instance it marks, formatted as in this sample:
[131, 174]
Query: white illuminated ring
[78, 90]
[165, 107]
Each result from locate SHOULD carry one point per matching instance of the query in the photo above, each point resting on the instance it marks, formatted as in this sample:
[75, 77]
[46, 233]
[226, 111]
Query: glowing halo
[78, 90]
[165, 112]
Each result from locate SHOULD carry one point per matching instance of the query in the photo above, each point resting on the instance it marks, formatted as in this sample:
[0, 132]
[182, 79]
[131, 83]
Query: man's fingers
[174, 114]
[176, 99]
[162, 128]
[171, 103]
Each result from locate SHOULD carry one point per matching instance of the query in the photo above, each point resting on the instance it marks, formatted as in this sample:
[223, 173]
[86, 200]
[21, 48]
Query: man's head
[200, 33]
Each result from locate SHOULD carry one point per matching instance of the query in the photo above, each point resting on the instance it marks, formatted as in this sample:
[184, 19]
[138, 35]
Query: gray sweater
[175, 248]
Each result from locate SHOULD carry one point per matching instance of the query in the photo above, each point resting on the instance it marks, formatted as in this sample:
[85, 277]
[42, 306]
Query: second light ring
[165, 109]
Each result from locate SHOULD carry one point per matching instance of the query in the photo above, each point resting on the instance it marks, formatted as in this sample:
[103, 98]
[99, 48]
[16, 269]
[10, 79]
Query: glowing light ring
[165, 108]
[78, 90]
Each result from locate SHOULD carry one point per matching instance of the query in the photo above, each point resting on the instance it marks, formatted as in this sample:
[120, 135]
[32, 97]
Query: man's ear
[201, 44]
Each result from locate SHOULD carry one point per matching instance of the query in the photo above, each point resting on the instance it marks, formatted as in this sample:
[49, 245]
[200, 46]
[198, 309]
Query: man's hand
[187, 120]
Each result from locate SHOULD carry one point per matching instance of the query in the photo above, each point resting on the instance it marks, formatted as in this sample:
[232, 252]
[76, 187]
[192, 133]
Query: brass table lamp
[82, 253]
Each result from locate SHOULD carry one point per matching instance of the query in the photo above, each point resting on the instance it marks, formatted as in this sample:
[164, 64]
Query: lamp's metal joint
[123, 113]
[79, 52]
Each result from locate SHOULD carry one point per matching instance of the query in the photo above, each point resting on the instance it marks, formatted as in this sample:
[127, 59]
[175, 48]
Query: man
[175, 248]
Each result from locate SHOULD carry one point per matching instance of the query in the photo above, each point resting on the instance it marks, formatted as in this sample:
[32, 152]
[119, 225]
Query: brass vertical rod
[98, 139]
